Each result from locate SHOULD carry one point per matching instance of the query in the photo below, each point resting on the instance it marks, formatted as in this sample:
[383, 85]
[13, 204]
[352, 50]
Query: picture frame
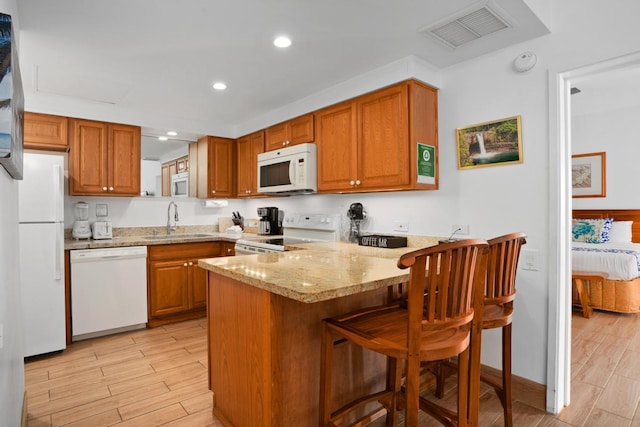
[588, 175]
[11, 102]
[498, 142]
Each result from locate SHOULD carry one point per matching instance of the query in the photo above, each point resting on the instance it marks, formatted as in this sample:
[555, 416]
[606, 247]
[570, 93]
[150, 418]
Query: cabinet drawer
[183, 251]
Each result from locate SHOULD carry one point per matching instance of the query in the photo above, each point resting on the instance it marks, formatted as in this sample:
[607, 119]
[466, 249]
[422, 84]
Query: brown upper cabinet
[104, 159]
[170, 168]
[214, 167]
[291, 132]
[370, 143]
[45, 132]
[247, 166]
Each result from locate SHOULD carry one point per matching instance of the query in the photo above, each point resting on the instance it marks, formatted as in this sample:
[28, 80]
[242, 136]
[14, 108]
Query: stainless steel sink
[176, 236]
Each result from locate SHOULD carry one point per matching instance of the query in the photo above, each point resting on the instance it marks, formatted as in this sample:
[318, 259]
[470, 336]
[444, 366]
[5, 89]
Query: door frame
[560, 205]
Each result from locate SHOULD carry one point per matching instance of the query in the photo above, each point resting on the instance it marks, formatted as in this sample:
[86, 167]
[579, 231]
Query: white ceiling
[161, 56]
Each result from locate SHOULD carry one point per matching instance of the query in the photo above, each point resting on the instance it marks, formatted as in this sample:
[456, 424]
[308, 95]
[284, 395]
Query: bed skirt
[622, 296]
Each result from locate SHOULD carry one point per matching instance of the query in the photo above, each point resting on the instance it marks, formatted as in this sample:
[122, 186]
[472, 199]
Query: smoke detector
[524, 62]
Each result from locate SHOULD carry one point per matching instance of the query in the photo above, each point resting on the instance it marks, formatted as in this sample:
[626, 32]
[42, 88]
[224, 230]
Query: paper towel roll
[215, 203]
[224, 222]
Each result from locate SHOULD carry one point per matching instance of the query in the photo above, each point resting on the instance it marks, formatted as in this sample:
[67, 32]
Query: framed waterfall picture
[11, 101]
[588, 175]
[498, 142]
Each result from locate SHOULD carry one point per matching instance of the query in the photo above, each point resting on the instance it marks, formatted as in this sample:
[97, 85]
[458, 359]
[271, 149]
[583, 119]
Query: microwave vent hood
[288, 171]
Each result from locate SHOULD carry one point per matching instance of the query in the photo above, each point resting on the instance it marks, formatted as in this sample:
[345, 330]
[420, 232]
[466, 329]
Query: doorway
[559, 344]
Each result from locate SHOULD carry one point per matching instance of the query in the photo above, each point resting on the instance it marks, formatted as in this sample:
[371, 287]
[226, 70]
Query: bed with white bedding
[619, 260]
[619, 257]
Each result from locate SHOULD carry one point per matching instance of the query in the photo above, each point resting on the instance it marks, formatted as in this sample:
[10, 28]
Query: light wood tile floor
[158, 377]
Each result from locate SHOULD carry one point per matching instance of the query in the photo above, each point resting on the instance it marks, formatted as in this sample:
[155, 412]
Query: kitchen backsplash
[427, 213]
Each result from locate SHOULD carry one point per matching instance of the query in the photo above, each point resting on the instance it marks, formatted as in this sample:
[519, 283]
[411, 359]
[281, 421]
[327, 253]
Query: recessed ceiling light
[163, 138]
[219, 86]
[172, 133]
[282, 41]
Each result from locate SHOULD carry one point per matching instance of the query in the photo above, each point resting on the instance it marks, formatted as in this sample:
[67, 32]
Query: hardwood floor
[149, 377]
[158, 377]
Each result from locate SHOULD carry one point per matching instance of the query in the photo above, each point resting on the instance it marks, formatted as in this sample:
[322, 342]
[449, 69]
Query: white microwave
[288, 170]
[180, 184]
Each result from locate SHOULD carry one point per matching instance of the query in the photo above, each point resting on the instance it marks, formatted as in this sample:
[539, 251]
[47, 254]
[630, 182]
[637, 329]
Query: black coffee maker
[270, 221]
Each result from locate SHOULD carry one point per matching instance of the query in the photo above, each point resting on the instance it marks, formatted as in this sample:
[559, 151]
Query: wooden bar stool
[433, 324]
[497, 310]
[577, 277]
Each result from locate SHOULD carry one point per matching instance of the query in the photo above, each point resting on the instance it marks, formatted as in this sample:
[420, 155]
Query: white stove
[297, 228]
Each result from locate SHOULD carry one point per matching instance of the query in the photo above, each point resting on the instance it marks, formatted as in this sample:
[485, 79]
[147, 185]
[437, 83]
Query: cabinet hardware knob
[185, 264]
[190, 263]
[213, 191]
[352, 182]
[110, 188]
[104, 188]
[357, 182]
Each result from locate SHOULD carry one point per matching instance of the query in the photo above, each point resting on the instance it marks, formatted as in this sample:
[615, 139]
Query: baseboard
[522, 389]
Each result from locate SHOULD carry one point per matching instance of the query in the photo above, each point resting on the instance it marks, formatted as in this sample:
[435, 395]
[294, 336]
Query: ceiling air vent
[471, 26]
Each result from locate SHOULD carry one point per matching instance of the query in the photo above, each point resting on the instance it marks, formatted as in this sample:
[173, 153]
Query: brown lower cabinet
[176, 285]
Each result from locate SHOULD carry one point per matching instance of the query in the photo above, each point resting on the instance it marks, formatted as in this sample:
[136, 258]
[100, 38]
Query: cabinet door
[383, 140]
[45, 132]
[291, 132]
[301, 129]
[221, 167]
[337, 147]
[124, 160]
[168, 288]
[198, 285]
[182, 164]
[247, 167]
[276, 136]
[88, 158]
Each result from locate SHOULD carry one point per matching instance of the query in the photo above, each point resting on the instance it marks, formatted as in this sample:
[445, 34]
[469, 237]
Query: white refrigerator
[41, 230]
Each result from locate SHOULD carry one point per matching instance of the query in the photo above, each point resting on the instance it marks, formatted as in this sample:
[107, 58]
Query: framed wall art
[588, 175]
[11, 101]
[498, 142]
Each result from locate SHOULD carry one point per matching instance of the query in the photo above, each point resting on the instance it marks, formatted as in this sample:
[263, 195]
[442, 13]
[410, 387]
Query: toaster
[102, 230]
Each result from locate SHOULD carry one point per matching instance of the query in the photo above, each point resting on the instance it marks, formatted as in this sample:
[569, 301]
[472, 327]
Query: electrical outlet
[399, 225]
[460, 228]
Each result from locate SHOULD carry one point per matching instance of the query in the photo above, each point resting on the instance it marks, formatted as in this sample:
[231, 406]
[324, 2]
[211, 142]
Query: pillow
[620, 232]
[591, 230]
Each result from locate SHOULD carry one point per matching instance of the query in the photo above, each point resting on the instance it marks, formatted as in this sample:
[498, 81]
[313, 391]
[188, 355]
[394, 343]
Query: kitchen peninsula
[264, 314]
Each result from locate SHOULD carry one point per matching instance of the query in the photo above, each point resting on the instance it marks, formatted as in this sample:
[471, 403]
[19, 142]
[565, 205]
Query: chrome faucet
[175, 217]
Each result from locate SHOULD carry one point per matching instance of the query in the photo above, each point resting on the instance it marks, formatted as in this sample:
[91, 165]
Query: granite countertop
[320, 272]
[144, 236]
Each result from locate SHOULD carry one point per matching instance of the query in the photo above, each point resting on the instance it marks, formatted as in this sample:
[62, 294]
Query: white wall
[611, 132]
[506, 198]
[11, 360]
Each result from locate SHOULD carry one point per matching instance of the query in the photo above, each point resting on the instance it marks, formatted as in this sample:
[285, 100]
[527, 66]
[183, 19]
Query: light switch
[529, 259]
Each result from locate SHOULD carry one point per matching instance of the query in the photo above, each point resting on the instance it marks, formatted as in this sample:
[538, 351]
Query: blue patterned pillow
[591, 230]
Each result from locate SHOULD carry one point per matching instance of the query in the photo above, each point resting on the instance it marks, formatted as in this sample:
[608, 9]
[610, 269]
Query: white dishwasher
[108, 291]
